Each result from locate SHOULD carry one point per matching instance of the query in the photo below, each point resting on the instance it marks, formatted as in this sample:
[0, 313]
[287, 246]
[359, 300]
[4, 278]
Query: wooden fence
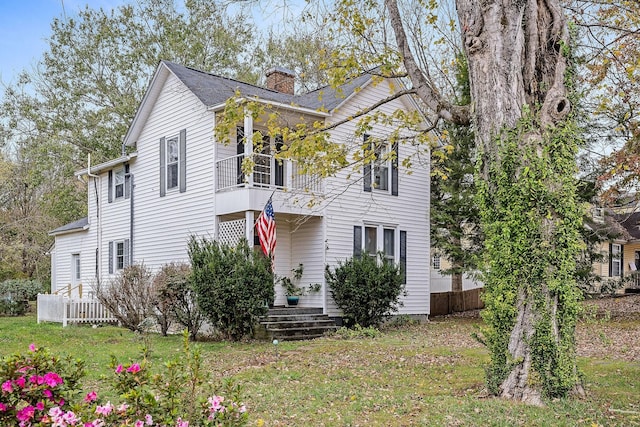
[443, 303]
[61, 309]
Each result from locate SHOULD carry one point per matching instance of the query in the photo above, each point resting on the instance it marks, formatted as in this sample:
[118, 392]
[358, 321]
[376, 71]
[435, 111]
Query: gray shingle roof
[72, 226]
[631, 223]
[215, 90]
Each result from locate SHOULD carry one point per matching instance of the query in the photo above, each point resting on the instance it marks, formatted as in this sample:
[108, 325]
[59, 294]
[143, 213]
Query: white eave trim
[290, 107]
[73, 230]
[106, 165]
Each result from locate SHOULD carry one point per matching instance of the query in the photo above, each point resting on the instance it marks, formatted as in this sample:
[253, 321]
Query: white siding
[409, 211]
[163, 224]
[66, 245]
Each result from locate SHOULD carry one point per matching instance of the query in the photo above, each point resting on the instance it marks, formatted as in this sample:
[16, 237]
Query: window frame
[76, 269]
[436, 262]
[381, 162]
[380, 243]
[172, 163]
[119, 175]
[116, 262]
[616, 259]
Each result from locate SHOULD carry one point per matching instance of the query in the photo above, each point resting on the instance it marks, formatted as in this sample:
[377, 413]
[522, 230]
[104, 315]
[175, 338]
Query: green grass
[425, 375]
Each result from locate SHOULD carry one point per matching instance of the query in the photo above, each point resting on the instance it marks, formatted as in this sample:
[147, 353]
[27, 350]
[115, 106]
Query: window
[75, 269]
[119, 255]
[173, 163]
[381, 168]
[387, 244]
[173, 157]
[616, 260]
[435, 262]
[378, 238]
[382, 172]
[119, 183]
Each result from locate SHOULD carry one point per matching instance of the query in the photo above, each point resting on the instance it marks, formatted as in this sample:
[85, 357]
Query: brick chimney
[280, 79]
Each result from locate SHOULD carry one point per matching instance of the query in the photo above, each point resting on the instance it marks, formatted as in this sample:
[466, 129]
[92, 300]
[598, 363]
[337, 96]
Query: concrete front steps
[289, 324]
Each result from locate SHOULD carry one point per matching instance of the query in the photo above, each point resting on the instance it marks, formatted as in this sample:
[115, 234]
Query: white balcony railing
[267, 173]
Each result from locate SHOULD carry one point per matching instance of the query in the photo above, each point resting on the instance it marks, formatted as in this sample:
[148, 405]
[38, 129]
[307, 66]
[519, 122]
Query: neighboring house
[441, 282]
[620, 249]
[179, 182]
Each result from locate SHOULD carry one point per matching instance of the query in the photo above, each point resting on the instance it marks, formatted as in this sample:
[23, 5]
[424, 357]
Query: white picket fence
[65, 310]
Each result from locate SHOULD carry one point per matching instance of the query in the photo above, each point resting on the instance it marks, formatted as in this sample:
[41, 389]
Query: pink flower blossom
[215, 403]
[139, 423]
[52, 379]
[148, 420]
[40, 406]
[123, 408]
[119, 369]
[26, 413]
[7, 387]
[104, 410]
[36, 379]
[47, 393]
[32, 347]
[92, 396]
[70, 418]
[3, 407]
[20, 382]
[135, 368]
[180, 423]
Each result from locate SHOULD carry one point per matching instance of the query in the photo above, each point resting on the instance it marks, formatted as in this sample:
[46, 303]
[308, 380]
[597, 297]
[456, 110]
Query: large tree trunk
[517, 69]
[527, 192]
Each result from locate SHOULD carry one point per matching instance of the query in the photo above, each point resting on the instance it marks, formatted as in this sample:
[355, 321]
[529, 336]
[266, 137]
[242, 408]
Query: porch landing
[289, 324]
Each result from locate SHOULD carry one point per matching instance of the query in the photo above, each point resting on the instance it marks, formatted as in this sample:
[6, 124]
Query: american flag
[266, 227]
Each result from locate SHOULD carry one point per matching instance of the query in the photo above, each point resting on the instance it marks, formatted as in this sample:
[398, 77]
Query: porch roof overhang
[106, 165]
[72, 227]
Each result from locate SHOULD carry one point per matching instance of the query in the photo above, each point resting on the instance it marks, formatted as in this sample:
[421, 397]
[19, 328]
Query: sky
[26, 24]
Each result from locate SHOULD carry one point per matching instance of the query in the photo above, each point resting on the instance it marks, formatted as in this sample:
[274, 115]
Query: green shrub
[15, 294]
[233, 285]
[366, 289]
[357, 332]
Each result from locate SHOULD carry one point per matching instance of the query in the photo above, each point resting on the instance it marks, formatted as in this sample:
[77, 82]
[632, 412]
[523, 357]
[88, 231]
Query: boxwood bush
[15, 294]
[233, 285]
[366, 289]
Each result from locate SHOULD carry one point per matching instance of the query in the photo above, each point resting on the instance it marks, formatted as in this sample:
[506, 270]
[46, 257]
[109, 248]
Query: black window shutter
[163, 170]
[110, 187]
[403, 255]
[239, 150]
[610, 259]
[357, 241]
[279, 164]
[127, 253]
[367, 166]
[394, 170]
[183, 160]
[621, 260]
[127, 182]
[110, 257]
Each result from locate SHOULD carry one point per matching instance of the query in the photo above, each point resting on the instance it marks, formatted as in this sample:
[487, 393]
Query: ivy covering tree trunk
[518, 53]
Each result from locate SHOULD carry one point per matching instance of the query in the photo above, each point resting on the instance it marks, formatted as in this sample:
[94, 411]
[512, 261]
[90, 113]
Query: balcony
[237, 192]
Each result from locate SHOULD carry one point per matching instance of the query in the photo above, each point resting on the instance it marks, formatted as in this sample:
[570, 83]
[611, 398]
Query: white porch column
[248, 143]
[249, 219]
[288, 172]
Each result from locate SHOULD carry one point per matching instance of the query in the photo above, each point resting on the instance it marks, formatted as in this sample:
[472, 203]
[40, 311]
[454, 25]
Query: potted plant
[291, 289]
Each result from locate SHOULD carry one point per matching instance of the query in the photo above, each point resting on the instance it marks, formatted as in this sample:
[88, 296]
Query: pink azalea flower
[70, 418]
[26, 413]
[91, 397]
[180, 423]
[40, 406]
[139, 423]
[3, 407]
[119, 369]
[32, 347]
[148, 420]
[104, 410]
[37, 379]
[123, 408]
[134, 368]
[47, 393]
[7, 387]
[52, 379]
[20, 382]
[215, 403]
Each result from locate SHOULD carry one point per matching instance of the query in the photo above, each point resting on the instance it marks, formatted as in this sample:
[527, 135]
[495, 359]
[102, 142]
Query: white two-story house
[178, 181]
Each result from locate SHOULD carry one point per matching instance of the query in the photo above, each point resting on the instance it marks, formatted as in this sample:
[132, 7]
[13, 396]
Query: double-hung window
[119, 255]
[381, 173]
[616, 260]
[118, 187]
[173, 157]
[435, 262]
[173, 163]
[378, 238]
